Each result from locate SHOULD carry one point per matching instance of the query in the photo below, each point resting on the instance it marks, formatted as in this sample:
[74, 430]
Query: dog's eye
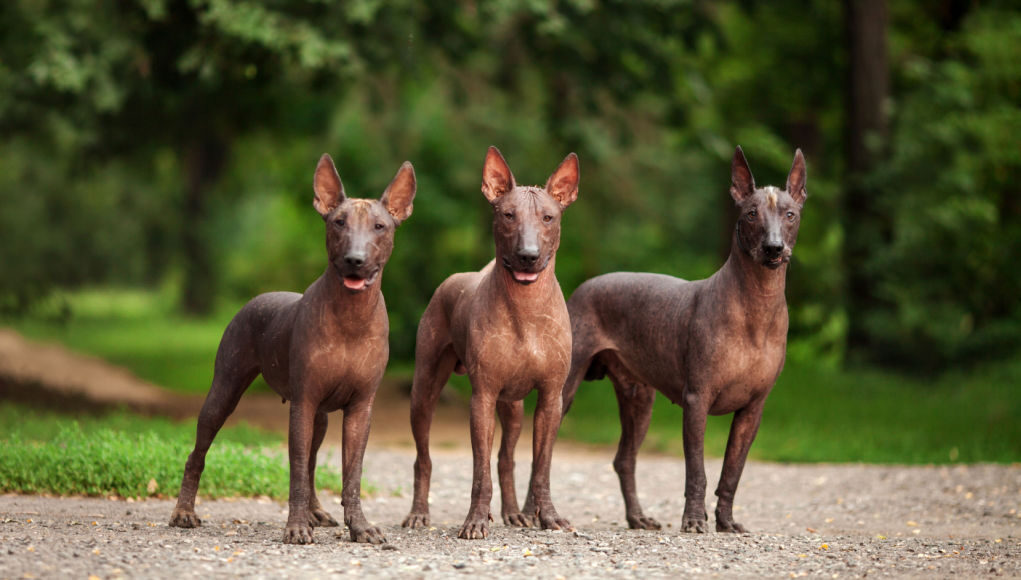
[752, 215]
[509, 215]
[379, 227]
[547, 218]
[790, 215]
[339, 222]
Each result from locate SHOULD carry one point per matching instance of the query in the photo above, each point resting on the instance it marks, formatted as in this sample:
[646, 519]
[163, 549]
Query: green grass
[857, 415]
[125, 455]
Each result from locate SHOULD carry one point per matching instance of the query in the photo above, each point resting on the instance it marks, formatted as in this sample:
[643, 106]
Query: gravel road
[807, 520]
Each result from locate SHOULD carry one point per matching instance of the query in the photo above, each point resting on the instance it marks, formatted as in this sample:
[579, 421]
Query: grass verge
[814, 413]
[120, 454]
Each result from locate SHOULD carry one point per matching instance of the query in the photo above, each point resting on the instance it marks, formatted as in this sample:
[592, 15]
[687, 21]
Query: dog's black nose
[355, 259]
[528, 256]
[772, 249]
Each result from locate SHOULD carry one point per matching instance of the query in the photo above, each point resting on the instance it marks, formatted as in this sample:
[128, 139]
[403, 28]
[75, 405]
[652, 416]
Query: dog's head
[526, 220]
[360, 232]
[769, 217]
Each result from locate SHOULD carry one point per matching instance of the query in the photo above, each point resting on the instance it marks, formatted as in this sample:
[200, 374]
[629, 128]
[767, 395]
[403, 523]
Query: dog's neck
[750, 281]
[526, 299]
[344, 307]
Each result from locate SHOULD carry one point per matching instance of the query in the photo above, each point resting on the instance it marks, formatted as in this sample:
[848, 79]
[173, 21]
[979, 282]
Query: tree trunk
[865, 225]
[204, 160]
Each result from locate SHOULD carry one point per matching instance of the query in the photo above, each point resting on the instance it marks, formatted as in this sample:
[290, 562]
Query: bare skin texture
[713, 346]
[323, 350]
[507, 327]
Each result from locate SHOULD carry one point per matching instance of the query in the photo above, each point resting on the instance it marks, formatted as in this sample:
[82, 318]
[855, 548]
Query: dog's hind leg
[511, 414]
[318, 517]
[433, 365]
[635, 404]
[232, 375]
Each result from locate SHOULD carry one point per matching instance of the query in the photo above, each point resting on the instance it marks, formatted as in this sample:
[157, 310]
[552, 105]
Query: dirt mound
[52, 377]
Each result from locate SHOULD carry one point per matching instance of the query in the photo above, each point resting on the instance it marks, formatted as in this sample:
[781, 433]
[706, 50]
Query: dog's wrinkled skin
[713, 346]
[322, 350]
[506, 327]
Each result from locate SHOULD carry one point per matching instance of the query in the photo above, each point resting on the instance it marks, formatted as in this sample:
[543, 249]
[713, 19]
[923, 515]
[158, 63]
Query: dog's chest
[518, 356]
[743, 369]
[333, 368]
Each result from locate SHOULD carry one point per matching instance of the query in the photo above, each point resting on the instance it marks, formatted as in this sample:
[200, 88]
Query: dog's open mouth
[353, 283]
[525, 277]
[522, 277]
[776, 262]
[358, 283]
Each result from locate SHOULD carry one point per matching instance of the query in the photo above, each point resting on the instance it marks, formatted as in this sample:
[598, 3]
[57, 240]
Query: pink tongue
[526, 276]
[354, 283]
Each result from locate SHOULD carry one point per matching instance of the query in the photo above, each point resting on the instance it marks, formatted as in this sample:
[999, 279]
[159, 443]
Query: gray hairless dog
[713, 346]
[322, 350]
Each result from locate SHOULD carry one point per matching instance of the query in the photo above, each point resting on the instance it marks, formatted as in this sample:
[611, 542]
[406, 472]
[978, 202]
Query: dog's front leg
[547, 422]
[695, 413]
[356, 436]
[742, 433]
[299, 446]
[482, 422]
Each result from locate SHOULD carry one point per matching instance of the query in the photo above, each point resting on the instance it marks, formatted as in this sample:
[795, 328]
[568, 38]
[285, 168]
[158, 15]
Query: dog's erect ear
[796, 179]
[400, 193]
[742, 184]
[563, 184]
[497, 178]
[327, 187]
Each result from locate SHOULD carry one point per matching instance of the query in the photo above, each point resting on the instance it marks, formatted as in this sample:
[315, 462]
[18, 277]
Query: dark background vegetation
[169, 145]
[172, 143]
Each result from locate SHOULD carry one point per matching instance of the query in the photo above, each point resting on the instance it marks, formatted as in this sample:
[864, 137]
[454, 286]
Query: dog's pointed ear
[399, 195]
[497, 178]
[796, 179]
[742, 184]
[563, 184]
[329, 191]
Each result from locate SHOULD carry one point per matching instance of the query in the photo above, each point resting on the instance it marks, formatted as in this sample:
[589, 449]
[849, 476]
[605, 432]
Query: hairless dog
[713, 346]
[323, 350]
[507, 327]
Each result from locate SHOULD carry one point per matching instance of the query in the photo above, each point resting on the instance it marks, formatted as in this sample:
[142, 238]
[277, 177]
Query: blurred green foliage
[106, 107]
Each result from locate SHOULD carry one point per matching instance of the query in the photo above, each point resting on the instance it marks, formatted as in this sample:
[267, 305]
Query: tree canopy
[172, 142]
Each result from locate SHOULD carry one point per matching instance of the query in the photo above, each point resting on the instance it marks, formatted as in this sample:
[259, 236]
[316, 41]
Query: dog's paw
[695, 525]
[298, 534]
[518, 520]
[367, 534]
[549, 520]
[416, 520]
[321, 518]
[730, 526]
[640, 522]
[184, 519]
[475, 527]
